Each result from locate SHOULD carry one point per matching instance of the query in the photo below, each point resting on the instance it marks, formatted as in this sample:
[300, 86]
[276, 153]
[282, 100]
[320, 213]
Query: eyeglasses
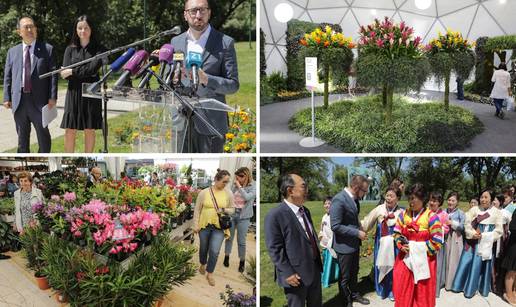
[27, 27]
[193, 12]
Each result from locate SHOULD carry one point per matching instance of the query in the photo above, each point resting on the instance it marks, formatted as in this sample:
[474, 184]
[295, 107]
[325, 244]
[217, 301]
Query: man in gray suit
[347, 237]
[24, 92]
[293, 246]
[218, 74]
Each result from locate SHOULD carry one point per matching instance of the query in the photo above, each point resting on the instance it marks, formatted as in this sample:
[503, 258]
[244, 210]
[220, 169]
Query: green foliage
[403, 74]
[263, 61]
[268, 187]
[241, 24]
[357, 126]
[483, 68]
[499, 43]
[62, 262]
[7, 205]
[32, 240]
[8, 239]
[272, 85]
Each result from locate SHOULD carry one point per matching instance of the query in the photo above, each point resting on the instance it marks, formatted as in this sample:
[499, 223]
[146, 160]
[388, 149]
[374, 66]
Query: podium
[162, 124]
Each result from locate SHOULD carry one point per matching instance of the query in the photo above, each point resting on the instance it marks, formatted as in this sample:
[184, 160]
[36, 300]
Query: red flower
[102, 270]
[80, 276]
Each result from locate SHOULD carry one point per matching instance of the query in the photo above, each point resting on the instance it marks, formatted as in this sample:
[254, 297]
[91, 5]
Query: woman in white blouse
[501, 88]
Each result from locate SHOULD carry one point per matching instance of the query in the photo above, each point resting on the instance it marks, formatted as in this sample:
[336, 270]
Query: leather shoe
[360, 299]
[226, 261]
[3, 257]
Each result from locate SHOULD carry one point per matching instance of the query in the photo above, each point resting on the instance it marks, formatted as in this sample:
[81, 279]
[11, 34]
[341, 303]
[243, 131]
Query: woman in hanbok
[435, 202]
[331, 271]
[384, 218]
[509, 264]
[497, 283]
[483, 227]
[454, 241]
[418, 235]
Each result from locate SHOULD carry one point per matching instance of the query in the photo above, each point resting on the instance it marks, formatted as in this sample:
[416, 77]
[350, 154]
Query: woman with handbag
[212, 220]
[244, 193]
[501, 88]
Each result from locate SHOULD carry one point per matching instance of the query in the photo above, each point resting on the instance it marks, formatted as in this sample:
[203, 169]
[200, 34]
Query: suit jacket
[289, 247]
[344, 223]
[42, 62]
[220, 64]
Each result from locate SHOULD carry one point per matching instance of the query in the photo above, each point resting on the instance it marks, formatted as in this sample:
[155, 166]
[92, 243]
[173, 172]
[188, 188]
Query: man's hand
[66, 73]
[8, 104]
[294, 280]
[477, 236]
[51, 103]
[362, 235]
[405, 249]
[203, 77]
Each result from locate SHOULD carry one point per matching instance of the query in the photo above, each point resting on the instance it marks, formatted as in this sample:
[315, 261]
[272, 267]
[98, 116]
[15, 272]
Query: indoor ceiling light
[423, 4]
[503, 1]
[283, 12]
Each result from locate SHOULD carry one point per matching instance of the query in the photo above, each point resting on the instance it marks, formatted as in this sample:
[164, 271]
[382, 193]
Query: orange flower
[326, 43]
[318, 40]
[303, 42]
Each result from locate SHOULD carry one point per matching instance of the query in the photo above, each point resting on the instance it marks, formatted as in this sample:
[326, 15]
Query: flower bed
[241, 136]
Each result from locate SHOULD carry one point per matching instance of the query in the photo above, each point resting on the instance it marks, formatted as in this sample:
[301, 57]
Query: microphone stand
[189, 109]
[105, 99]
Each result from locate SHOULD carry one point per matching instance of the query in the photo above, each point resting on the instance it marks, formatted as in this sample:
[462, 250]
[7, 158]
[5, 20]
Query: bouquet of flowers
[326, 39]
[451, 41]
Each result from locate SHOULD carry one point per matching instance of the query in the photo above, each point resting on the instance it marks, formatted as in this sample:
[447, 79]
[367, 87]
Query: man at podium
[211, 59]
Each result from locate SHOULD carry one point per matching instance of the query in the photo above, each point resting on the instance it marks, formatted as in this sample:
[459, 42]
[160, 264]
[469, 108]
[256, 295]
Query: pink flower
[69, 196]
[55, 198]
[379, 43]
[77, 233]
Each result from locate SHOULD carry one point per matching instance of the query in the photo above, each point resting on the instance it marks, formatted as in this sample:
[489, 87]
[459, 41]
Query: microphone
[194, 61]
[132, 67]
[114, 67]
[175, 71]
[166, 54]
[174, 31]
[153, 61]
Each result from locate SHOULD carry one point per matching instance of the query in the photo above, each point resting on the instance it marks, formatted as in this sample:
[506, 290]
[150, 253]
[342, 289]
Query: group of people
[418, 250]
[213, 207]
[26, 94]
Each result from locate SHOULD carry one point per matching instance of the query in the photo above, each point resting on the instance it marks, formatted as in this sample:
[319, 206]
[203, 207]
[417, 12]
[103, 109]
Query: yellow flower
[230, 136]
[226, 148]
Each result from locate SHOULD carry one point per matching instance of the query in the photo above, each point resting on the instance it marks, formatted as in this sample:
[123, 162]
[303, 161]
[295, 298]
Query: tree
[437, 174]
[390, 166]
[486, 171]
[389, 58]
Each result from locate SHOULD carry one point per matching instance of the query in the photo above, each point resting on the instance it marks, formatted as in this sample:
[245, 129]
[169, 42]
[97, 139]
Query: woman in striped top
[418, 235]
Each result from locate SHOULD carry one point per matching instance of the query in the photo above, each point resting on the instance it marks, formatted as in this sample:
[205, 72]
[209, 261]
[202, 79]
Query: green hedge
[296, 29]
[357, 126]
[498, 43]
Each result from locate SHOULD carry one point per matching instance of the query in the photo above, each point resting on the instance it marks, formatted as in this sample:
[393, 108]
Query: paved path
[8, 132]
[276, 137]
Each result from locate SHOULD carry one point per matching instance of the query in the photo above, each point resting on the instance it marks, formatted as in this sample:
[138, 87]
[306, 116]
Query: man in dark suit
[218, 74]
[293, 246]
[347, 237]
[24, 91]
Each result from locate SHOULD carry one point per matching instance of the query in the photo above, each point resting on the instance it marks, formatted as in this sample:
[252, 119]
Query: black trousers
[203, 143]
[311, 295]
[348, 279]
[26, 114]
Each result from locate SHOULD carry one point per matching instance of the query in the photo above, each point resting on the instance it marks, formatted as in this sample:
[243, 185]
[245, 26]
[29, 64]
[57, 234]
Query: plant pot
[7, 218]
[61, 298]
[180, 220]
[42, 282]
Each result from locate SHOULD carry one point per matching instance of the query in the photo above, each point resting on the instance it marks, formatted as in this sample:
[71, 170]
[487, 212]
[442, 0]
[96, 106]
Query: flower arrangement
[451, 41]
[391, 39]
[326, 39]
[241, 136]
[232, 299]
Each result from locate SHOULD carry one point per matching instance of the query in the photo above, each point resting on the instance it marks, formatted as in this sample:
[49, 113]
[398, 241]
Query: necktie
[27, 84]
[309, 232]
[357, 202]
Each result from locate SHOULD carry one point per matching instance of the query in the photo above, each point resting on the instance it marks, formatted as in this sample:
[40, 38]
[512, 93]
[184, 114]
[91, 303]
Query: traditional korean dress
[384, 252]
[331, 271]
[415, 273]
[474, 272]
[441, 254]
[454, 242]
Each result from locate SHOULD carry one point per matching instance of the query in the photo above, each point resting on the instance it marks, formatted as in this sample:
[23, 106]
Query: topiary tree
[450, 53]
[333, 52]
[389, 57]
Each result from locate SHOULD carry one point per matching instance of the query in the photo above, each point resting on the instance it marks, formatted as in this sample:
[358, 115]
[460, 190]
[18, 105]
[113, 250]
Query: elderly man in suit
[347, 237]
[218, 74]
[24, 92]
[293, 246]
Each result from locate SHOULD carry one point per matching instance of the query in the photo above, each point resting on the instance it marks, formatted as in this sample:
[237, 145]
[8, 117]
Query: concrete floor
[276, 137]
[18, 287]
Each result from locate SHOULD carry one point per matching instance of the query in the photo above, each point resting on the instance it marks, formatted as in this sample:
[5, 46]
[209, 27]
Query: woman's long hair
[76, 41]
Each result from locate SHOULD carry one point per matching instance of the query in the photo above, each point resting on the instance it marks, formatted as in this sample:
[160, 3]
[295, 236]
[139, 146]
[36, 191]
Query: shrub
[357, 126]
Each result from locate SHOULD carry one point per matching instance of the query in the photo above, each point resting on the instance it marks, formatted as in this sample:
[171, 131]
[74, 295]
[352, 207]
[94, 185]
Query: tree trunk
[388, 98]
[384, 97]
[326, 85]
[447, 92]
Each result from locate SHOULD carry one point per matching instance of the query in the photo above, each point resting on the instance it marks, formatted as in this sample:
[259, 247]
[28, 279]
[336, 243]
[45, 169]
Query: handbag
[224, 219]
[510, 103]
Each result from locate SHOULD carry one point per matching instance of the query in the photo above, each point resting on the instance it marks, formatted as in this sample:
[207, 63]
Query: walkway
[276, 137]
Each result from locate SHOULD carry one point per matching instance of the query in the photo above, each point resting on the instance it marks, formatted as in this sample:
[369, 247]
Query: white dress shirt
[32, 45]
[199, 44]
[299, 216]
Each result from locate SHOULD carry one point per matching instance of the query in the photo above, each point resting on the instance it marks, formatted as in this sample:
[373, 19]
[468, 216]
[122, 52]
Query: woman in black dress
[509, 264]
[81, 113]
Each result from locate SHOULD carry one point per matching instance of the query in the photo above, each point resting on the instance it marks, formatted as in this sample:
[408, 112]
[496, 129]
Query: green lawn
[272, 295]
[245, 98]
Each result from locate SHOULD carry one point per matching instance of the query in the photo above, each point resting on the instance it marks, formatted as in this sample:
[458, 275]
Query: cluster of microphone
[138, 64]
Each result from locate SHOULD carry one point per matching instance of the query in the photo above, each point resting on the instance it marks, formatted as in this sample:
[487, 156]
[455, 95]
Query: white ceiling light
[423, 4]
[503, 1]
[283, 12]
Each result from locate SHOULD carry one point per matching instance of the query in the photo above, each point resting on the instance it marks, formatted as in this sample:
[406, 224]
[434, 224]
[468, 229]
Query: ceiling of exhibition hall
[474, 18]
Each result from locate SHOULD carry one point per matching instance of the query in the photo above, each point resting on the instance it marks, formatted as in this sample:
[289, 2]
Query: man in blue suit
[293, 246]
[218, 74]
[348, 236]
[24, 92]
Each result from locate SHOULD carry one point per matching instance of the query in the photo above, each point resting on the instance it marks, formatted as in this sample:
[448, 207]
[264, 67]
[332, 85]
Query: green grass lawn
[245, 98]
[272, 295]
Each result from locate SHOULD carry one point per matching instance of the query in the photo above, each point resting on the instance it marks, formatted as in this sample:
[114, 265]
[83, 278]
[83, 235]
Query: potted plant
[7, 209]
[7, 238]
[32, 240]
